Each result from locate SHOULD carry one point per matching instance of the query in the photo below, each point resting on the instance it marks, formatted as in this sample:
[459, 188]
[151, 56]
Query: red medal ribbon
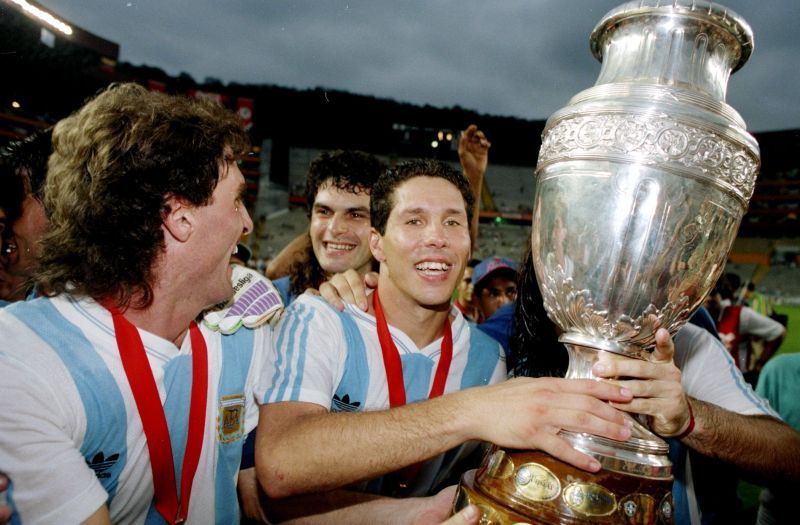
[148, 403]
[397, 389]
[394, 367]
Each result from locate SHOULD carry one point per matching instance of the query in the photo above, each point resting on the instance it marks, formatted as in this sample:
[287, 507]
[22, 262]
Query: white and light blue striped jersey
[71, 438]
[709, 374]
[334, 359]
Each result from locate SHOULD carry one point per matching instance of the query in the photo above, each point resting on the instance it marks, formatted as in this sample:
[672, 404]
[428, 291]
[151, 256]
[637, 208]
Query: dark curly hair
[29, 158]
[115, 163]
[534, 347]
[12, 195]
[382, 198]
[353, 171]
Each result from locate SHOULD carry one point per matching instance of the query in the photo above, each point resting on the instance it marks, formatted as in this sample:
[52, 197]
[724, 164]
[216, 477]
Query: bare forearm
[292, 252]
[321, 507]
[372, 510]
[475, 177]
[322, 451]
[761, 446]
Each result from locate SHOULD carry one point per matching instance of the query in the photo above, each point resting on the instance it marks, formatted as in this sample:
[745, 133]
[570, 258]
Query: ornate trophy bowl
[641, 184]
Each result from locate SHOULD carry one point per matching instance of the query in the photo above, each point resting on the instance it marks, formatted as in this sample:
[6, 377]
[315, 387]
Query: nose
[434, 235]
[247, 222]
[337, 224]
[503, 299]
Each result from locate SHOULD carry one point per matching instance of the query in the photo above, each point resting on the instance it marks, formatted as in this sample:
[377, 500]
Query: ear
[179, 220]
[376, 245]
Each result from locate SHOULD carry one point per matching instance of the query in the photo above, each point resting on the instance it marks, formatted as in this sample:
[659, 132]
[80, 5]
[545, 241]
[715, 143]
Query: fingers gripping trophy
[641, 184]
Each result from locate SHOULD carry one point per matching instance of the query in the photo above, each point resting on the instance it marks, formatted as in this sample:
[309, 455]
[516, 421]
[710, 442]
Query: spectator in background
[779, 383]
[737, 324]
[756, 300]
[21, 247]
[337, 192]
[10, 200]
[495, 284]
[464, 296]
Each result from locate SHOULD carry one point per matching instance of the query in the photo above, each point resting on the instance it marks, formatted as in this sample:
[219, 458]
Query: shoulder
[311, 312]
[783, 364]
[694, 345]
[481, 346]
[282, 284]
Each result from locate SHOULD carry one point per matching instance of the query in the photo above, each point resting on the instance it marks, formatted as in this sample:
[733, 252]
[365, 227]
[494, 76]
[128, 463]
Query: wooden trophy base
[530, 487]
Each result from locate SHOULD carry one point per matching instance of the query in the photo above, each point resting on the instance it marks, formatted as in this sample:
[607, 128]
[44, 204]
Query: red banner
[208, 95]
[244, 108]
[155, 85]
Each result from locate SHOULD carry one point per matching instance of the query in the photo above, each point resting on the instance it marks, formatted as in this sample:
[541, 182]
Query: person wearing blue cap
[495, 290]
[495, 284]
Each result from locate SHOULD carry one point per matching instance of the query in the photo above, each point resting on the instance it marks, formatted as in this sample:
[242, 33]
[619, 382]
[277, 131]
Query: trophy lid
[709, 12]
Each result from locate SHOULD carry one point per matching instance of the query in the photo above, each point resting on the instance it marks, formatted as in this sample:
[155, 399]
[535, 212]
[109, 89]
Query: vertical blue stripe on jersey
[355, 380]
[15, 519]
[484, 352]
[417, 376]
[106, 418]
[237, 357]
[302, 348]
[680, 499]
[296, 318]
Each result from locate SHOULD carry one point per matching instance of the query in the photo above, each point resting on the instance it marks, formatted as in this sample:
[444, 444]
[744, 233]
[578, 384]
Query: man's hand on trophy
[529, 412]
[655, 383]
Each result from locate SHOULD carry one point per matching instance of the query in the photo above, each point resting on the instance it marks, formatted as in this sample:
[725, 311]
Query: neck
[165, 321]
[423, 324]
[168, 315]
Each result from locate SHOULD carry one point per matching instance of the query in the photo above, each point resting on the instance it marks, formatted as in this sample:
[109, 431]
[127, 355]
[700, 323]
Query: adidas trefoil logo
[100, 464]
[344, 404]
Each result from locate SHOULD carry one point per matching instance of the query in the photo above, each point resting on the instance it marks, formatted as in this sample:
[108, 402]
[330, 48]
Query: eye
[452, 222]
[413, 221]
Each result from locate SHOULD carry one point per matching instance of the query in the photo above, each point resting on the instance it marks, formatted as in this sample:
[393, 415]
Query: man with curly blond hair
[145, 201]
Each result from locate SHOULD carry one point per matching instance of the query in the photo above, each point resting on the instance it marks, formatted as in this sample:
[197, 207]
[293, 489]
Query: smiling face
[426, 244]
[221, 223]
[339, 230]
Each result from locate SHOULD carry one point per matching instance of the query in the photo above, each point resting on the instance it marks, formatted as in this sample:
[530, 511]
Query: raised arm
[302, 447]
[473, 153]
[773, 448]
[294, 251]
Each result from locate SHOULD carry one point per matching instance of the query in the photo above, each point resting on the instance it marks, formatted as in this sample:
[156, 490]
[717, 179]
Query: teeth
[334, 246]
[433, 266]
[235, 250]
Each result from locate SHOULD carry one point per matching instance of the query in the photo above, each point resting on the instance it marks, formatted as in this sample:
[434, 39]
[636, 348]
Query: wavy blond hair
[114, 164]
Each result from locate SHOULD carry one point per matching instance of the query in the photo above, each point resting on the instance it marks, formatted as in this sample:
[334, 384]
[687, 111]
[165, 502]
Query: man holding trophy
[641, 184]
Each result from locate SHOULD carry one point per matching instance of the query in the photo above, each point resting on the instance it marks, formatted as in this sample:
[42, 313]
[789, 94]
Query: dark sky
[522, 58]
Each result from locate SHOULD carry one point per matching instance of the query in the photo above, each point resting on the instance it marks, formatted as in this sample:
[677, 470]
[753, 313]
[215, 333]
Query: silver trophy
[641, 184]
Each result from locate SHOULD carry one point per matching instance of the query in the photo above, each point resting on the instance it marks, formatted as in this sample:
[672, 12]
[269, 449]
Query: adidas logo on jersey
[344, 404]
[100, 464]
